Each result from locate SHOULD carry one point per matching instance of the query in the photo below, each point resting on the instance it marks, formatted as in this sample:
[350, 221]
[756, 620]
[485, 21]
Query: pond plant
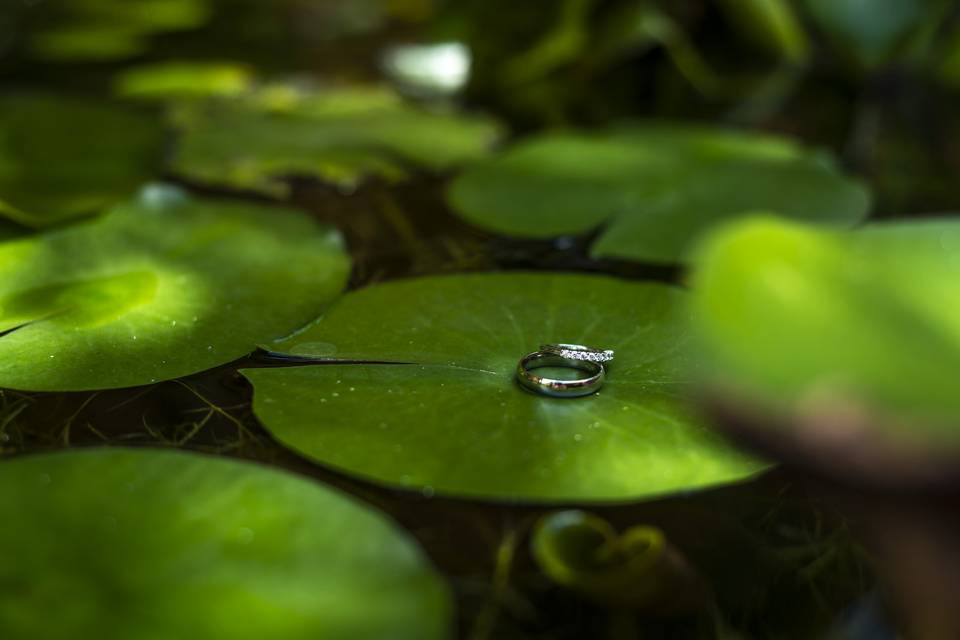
[480, 319]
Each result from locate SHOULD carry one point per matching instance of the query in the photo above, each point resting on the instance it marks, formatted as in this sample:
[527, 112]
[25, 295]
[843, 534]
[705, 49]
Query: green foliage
[158, 288]
[654, 188]
[184, 80]
[101, 30]
[338, 135]
[585, 553]
[811, 323]
[872, 31]
[457, 423]
[61, 158]
[139, 545]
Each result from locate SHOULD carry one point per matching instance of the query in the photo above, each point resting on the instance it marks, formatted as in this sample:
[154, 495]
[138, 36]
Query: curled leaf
[636, 568]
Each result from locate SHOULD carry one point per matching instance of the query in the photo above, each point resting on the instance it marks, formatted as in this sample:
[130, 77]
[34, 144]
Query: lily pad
[870, 31]
[652, 189]
[103, 30]
[140, 544]
[456, 422]
[159, 288]
[184, 79]
[64, 158]
[339, 135]
[858, 324]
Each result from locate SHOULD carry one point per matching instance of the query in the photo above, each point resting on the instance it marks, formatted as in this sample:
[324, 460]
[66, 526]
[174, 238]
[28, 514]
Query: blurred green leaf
[157, 289]
[100, 30]
[139, 545]
[62, 158]
[653, 188]
[340, 135]
[456, 422]
[182, 79]
[804, 321]
[870, 31]
[949, 67]
[771, 24]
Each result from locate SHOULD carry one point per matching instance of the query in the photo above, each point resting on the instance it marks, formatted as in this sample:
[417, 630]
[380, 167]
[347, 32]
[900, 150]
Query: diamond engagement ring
[578, 352]
[568, 356]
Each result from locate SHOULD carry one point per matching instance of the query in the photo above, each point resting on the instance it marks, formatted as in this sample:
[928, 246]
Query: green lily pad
[64, 158]
[140, 545]
[806, 322]
[652, 188]
[103, 30]
[456, 422]
[184, 79]
[340, 135]
[159, 288]
[871, 30]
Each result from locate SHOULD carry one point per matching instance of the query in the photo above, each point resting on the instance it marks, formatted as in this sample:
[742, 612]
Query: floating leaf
[340, 136]
[158, 288]
[101, 30]
[806, 321]
[654, 188]
[871, 30]
[63, 158]
[456, 421]
[184, 80]
[141, 544]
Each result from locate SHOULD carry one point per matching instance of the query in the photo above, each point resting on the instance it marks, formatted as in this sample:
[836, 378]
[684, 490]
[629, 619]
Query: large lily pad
[653, 188]
[838, 328]
[63, 158]
[340, 136]
[456, 421]
[159, 288]
[141, 545]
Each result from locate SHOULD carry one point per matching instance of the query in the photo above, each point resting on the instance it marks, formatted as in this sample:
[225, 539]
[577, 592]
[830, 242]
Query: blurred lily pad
[338, 135]
[64, 158]
[871, 31]
[183, 79]
[652, 189]
[158, 288]
[103, 30]
[141, 544]
[837, 328]
[456, 422]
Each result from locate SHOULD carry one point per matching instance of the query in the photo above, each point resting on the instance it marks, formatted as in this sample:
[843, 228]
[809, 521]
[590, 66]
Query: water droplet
[353, 388]
[209, 347]
[578, 437]
[428, 491]
[335, 394]
[245, 535]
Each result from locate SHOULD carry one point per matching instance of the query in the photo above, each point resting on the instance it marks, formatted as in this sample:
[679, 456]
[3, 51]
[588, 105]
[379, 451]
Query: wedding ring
[579, 352]
[555, 387]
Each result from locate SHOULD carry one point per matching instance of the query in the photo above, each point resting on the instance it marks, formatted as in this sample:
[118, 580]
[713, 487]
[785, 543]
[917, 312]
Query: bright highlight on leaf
[64, 158]
[340, 136]
[141, 544]
[456, 421]
[651, 189]
[804, 322]
[159, 288]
